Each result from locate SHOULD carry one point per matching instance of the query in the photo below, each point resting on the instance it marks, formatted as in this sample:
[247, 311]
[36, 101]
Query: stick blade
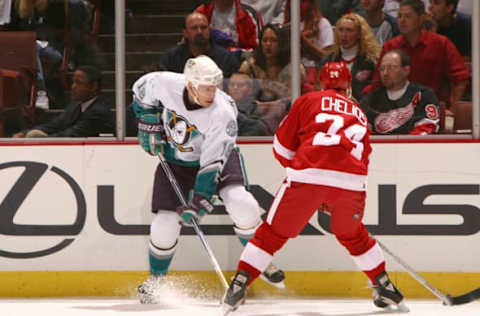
[465, 298]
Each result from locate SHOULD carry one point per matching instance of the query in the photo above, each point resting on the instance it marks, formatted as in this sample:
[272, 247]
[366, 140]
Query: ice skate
[387, 295]
[236, 292]
[148, 289]
[274, 276]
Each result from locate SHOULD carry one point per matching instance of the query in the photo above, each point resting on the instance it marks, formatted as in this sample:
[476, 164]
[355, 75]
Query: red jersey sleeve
[286, 141]
[457, 71]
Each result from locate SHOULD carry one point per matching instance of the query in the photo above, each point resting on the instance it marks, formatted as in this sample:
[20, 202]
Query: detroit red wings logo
[431, 111]
[363, 75]
[393, 119]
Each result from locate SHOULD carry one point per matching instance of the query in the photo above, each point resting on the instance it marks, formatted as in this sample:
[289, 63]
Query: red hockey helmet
[335, 75]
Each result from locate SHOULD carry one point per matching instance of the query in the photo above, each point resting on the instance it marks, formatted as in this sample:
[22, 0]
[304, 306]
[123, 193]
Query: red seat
[18, 61]
[463, 116]
[12, 97]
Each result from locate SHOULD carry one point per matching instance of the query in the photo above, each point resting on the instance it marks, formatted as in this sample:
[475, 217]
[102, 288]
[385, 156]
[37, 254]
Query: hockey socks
[159, 266]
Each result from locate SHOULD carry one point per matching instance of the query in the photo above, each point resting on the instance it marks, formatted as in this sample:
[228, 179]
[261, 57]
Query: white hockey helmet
[202, 70]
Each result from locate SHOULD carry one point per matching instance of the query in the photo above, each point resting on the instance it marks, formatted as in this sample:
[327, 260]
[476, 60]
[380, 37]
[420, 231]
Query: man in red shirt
[324, 145]
[435, 61]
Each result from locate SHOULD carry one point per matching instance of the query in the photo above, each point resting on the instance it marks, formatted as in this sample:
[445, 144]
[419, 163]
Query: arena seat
[463, 117]
[18, 62]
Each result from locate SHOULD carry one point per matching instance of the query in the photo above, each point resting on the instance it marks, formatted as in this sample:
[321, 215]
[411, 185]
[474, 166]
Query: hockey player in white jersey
[194, 125]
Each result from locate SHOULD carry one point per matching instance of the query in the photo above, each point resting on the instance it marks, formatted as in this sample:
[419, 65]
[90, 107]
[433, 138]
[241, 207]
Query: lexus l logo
[10, 205]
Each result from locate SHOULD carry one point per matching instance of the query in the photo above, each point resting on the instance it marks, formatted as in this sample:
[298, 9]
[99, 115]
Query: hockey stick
[197, 229]
[446, 299]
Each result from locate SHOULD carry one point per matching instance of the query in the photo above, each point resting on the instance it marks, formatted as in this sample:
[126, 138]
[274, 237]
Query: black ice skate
[274, 276]
[147, 291]
[386, 294]
[236, 292]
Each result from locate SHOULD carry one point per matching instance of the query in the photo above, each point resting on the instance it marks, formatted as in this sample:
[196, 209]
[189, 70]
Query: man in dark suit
[87, 115]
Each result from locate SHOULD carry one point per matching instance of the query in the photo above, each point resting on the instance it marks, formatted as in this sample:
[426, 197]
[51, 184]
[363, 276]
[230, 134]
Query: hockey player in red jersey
[324, 145]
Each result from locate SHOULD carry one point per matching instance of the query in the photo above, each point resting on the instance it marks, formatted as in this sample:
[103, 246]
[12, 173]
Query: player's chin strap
[197, 229]
[195, 94]
[446, 299]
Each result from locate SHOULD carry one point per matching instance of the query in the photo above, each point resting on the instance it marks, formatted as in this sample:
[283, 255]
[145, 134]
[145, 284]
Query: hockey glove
[151, 134]
[197, 207]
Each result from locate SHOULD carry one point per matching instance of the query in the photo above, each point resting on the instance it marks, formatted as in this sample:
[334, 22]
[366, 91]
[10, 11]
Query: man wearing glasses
[400, 106]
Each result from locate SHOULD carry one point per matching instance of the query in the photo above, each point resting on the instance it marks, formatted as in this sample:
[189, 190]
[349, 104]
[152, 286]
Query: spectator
[32, 16]
[400, 106]
[47, 18]
[270, 65]
[29, 10]
[197, 42]
[5, 12]
[391, 7]
[316, 33]
[435, 62]
[355, 45]
[272, 11]
[250, 123]
[446, 20]
[465, 6]
[86, 116]
[383, 25]
[78, 19]
[334, 9]
[238, 21]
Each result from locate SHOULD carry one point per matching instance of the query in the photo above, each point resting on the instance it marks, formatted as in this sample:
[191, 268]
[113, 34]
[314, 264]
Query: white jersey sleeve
[146, 90]
[219, 140]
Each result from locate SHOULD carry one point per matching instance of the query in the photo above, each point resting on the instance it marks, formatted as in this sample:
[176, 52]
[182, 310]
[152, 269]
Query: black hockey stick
[446, 299]
[197, 229]
[465, 298]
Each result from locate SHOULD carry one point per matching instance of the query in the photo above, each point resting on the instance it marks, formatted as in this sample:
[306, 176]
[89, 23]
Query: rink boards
[74, 221]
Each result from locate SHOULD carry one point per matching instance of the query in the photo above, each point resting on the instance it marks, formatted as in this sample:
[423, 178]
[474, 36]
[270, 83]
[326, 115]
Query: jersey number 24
[354, 133]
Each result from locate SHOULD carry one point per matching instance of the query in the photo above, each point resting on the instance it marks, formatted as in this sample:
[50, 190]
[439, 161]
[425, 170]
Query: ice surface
[179, 306]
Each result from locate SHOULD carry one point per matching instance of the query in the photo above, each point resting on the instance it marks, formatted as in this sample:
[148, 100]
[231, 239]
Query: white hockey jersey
[202, 137]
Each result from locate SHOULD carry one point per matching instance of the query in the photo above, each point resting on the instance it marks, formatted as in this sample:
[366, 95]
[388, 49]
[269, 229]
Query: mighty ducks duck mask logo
[180, 131]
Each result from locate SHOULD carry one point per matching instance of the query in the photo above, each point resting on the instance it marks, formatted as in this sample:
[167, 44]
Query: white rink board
[126, 168]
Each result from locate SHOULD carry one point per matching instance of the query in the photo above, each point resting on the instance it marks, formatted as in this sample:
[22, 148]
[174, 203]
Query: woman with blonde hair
[356, 46]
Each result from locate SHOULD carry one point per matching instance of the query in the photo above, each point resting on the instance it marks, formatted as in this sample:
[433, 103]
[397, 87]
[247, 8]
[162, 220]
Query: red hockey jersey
[325, 140]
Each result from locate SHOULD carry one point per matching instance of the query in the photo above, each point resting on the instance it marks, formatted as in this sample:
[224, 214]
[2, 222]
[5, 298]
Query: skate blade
[397, 308]
[226, 310]
[279, 285]
[402, 308]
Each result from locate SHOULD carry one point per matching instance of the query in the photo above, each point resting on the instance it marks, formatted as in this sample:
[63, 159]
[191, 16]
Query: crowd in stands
[409, 59]
[429, 40]
[64, 42]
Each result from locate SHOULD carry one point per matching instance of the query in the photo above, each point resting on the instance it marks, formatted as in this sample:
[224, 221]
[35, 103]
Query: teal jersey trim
[169, 154]
[206, 183]
[243, 241]
[242, 164]
[139, 110]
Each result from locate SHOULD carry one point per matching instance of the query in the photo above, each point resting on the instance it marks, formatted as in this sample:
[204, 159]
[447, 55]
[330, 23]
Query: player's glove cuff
[197, 207]
[151, 134]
